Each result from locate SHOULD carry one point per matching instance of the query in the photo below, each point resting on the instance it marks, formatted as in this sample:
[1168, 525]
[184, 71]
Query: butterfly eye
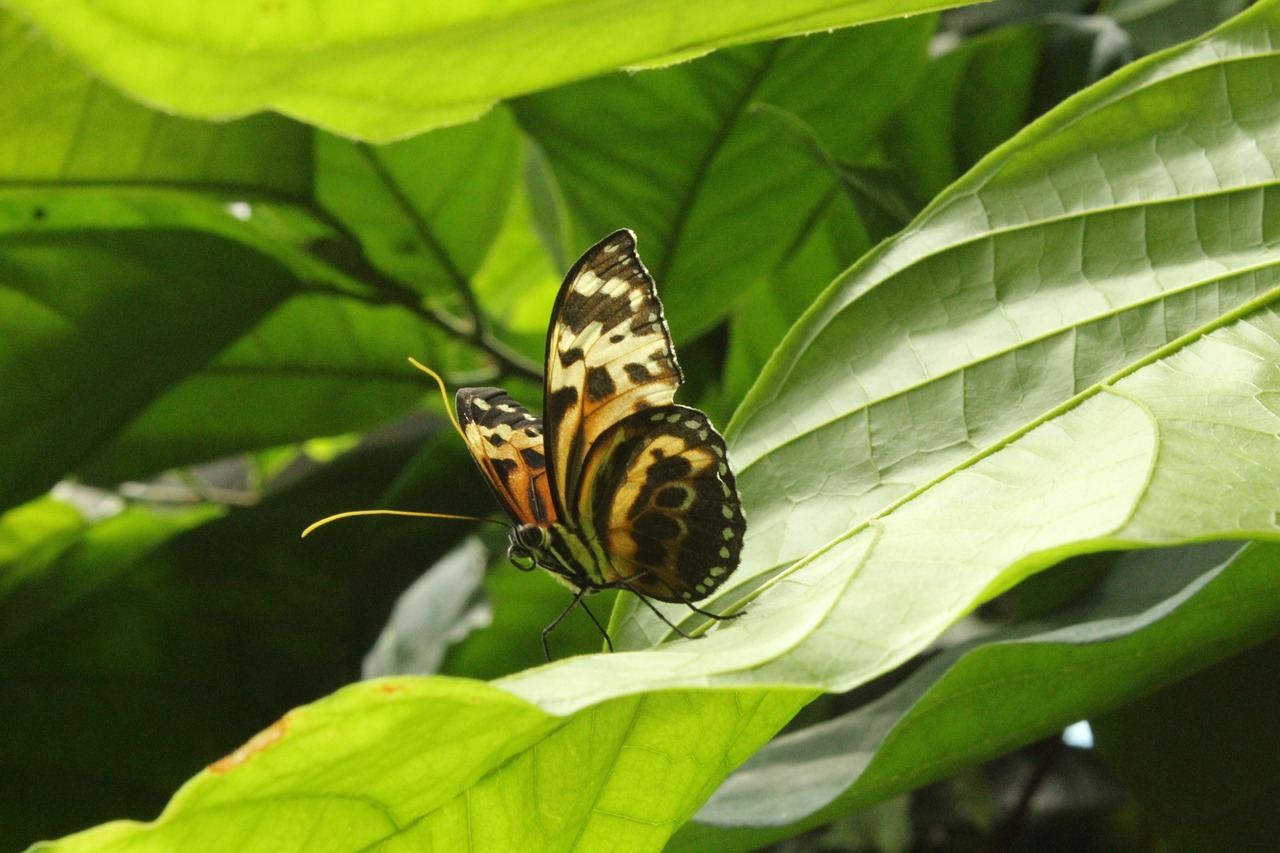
[529, 537]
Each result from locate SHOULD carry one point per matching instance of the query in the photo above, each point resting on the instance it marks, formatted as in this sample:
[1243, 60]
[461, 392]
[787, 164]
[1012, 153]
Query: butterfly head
[527, 542]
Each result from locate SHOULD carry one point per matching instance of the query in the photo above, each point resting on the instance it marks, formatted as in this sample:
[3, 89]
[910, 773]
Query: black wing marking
[609, 355]
[506, 442]
[660, 499]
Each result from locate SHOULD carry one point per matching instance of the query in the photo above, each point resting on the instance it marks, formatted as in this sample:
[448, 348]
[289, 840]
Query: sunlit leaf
[378, 69]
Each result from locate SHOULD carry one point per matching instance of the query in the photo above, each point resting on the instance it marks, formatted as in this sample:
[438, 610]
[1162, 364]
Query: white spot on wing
[588, 283]
[614, 287]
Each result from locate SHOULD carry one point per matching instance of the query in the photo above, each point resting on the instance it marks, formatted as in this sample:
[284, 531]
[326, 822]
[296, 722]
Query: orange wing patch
[506, 443]
[661, 501]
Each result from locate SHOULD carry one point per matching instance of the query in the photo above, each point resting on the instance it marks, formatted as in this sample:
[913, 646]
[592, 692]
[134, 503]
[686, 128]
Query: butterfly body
[615, 486]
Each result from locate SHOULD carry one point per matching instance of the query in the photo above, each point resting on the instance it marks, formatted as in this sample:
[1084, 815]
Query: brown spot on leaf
[252, 747]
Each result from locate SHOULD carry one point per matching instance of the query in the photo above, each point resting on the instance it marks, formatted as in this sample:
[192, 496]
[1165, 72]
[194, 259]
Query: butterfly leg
[716, 616]
[604, 633]
[719, 617]
[656, 611]
[577, 599]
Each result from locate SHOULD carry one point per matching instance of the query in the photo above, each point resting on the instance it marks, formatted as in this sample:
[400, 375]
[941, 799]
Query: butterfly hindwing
[507, 444]
[609, 354]
[660, 500]
[628, 489]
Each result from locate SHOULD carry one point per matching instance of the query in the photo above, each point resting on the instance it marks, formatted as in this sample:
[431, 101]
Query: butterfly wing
[507, 445]
[609, 355]
[660, 500]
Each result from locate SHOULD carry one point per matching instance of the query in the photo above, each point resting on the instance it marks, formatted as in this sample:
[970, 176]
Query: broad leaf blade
[381, 70]
[137, 322]
[1078, 247]
[1158, 615]
[739, 182]
[244, 365]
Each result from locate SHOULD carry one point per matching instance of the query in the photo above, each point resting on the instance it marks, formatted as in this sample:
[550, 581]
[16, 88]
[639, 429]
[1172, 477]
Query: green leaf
[1157, 615]
[425, 210]
[736, 187]
[365, 794]
[136, 322]
[967, 101]
[316, 365]
[379, 70]
[117, 191]
[1157, 24]
[145, 647]
[1101, 233]
[1201, 755]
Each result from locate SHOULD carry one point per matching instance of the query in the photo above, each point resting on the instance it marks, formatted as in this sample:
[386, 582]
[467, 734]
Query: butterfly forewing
[630, 490]
[506, 443]
[659, 499]
[609, 355]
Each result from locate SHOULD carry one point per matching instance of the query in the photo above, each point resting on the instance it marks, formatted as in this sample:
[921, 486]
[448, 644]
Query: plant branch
[460, 281]
[388, 291]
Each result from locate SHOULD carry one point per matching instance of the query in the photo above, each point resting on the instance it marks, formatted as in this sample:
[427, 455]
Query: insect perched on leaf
[616, 486]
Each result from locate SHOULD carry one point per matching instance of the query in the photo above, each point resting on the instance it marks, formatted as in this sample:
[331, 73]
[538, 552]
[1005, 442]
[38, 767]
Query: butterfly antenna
[444, 394]
[401, 512]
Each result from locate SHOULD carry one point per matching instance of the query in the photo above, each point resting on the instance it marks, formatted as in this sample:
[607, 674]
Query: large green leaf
[1092, 424]
[1137, 213]
[425, 209]
[967, 101]
[213, 356]
[137, 320]
[1157, 615]
[137, 649]
[739, 183]
[378, 69]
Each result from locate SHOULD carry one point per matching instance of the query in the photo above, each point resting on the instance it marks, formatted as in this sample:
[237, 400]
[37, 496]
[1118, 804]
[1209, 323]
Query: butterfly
[616, 486]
